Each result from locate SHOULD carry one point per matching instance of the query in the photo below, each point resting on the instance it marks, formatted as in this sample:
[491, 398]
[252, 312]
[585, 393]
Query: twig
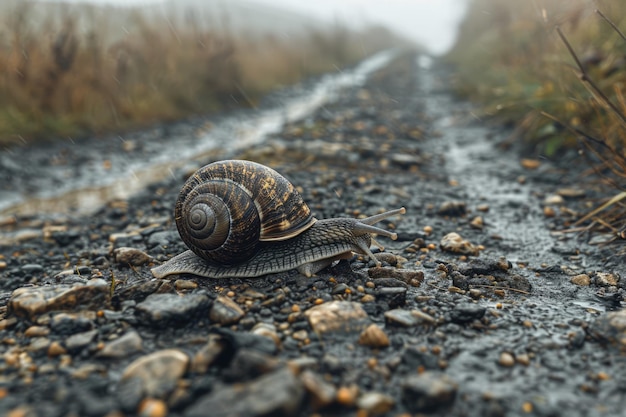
[584, 77]
[615, 28]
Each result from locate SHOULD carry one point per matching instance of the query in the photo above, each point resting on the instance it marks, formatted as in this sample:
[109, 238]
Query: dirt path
[502, 331]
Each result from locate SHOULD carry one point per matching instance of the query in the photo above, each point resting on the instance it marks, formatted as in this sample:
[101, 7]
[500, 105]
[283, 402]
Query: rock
[208, 354]
[393, 297]
[130, 256]
[571, 192]
[408, 318]
[266, 330]
[428, 391]
[611, 328]
[400, 317]
[80, 340]
[37, 331]
[605, 279]
[413, 278]
[373, 336]
[452, 208]
[34, 301]
[478, 266]
[375, 403]
[477, 223]
[158, 372]
[506, 359]
[30, 269]
[248, 364]
[172, 309]
[225, 311]
[583, 280]
[70, 323]
[453, 242]
[152, 407]
[530, 164]
[185, 284]
[416, 357]
[277, 394]
[123, 346]
[245, 340]
[321, 392]
[466, 312]
[553, 200]
[337, 316]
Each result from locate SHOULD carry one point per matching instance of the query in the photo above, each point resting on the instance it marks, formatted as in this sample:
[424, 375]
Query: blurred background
[77, 68]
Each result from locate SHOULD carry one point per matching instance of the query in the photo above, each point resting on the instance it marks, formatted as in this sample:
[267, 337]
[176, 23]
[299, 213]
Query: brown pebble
[374, 337]
[506, 359]
[530, 163]
[36, 331]
[152, 407]
[583, 280]
[477, 223]
[549, 211]
[185, 284]
[56, 349]
[347, 395]
[523, 359]
[368, 298]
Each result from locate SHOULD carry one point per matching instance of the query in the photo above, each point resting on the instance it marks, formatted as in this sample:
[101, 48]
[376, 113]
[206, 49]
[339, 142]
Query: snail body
[242, 219]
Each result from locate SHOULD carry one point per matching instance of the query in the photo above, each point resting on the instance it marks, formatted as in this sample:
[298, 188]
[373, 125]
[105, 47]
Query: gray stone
[375, 403]
[130, 256]
[467, 312]
[80, 340]
[160, 309]
[158, 372]
[277, 394]
[611, 328]
[123, 346]
[428, 391]
[70, 323]
[225, 311]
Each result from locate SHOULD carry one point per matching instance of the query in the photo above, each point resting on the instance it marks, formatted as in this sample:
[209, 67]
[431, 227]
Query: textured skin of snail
[285, 236]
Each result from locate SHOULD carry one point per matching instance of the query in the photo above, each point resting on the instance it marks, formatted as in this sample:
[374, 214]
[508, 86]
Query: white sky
[430, 22]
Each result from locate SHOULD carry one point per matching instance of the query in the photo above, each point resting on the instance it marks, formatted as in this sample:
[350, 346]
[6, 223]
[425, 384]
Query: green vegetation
[510, 58]
[513, 57]
[68, 70]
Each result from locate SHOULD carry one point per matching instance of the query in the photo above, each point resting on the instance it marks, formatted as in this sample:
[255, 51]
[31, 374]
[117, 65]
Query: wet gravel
[482, 307]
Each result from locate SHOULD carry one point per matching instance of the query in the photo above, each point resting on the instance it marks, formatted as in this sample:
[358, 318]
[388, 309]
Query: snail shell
[243, 219]
[226, 208]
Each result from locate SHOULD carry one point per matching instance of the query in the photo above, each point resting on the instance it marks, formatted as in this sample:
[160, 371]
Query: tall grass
[68, 70]
[555, 70]
[510, 59]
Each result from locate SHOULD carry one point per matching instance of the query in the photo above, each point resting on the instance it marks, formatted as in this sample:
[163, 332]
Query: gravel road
[483, 306]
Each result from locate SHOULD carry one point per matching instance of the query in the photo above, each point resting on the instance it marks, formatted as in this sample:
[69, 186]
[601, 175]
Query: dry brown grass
[76, 70]
[556, 70]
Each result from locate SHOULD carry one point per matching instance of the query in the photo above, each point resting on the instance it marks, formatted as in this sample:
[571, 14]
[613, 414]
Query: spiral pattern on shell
[226, 208]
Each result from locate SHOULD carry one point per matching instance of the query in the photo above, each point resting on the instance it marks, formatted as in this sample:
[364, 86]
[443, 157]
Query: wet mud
[483, 306]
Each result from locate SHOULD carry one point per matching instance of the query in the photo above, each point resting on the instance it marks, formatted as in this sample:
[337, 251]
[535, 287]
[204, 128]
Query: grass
[76, 70]
[556, 71]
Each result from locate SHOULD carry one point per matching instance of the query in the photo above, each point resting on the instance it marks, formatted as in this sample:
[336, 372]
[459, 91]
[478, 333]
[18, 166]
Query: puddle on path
[84, 187]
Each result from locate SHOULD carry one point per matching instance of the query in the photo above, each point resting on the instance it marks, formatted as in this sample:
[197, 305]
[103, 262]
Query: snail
[241, 219]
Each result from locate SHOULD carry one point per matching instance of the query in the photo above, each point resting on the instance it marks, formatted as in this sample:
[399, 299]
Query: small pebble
[583, 280]
[506, 359]
[373, 336]
[152, 407]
